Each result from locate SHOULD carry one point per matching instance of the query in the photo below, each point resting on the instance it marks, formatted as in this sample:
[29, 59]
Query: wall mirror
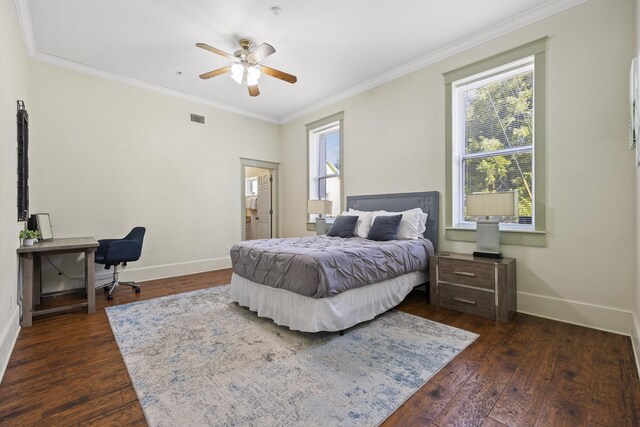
[44, 226]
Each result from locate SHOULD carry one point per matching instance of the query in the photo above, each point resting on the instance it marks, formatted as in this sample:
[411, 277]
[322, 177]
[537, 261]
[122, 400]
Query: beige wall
[394, 142]
[107, 156]
[13, 86]
[636, 324]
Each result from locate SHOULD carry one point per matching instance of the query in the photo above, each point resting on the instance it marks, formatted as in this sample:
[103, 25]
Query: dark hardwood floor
[67, 370]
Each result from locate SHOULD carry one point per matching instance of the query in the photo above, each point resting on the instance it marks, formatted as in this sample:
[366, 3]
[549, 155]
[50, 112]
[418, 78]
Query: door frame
[275, 194]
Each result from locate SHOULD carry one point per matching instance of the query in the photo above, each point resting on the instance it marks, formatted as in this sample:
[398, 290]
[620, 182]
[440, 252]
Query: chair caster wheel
[109, 297]
[137, 290]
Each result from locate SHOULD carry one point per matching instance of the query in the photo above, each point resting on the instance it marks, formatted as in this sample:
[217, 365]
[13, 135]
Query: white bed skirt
[336, 313]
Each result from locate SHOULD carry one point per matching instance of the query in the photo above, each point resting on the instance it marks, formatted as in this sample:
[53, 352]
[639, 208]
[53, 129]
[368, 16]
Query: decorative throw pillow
[385, 228]
[364, 222]
[343, 226]
[412, 224]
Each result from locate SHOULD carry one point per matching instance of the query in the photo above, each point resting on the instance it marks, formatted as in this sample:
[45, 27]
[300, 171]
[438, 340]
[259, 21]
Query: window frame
[518, 234]
[324, 125]
[321, 133]
[475, 81]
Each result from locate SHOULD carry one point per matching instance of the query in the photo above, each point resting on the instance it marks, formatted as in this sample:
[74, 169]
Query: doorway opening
[259, 199]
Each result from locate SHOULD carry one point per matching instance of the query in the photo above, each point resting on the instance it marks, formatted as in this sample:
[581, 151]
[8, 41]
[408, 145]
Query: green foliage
[499, 115]
[29, 234]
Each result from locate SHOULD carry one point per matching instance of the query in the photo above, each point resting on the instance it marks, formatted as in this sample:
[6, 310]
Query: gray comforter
[325, 266]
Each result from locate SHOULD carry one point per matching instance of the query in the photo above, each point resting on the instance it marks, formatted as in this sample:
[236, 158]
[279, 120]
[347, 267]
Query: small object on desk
[30, 263]
[29, 237]
[482, 286]
[43, 220]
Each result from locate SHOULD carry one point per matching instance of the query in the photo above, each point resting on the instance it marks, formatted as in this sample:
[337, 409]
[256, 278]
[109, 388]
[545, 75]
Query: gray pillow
[385, 228]
[343, 226]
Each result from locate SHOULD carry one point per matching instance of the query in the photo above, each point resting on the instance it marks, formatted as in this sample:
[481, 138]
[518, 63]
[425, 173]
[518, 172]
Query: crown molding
[84, 69]
[26, 27]
[505, 27]
[548, 9]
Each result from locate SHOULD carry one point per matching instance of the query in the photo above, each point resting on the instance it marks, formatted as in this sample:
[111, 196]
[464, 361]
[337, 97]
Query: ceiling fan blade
[253, 90]
[261, 52]
[215, 72]
[279, 74]
[217, 51]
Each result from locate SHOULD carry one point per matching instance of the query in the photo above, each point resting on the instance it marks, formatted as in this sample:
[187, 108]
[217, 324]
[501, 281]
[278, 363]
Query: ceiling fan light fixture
[237, 73]
[253, 74]
[246, 68]
[245, 74]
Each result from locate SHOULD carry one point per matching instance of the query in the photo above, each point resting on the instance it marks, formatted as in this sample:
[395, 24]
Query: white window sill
[510, 236]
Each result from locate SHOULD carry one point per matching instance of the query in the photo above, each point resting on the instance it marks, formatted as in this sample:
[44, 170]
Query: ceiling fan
[246, 68]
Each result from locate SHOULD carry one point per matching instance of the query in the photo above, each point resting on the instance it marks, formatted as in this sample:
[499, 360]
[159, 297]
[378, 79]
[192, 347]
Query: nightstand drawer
[467, 300]
[466, 272]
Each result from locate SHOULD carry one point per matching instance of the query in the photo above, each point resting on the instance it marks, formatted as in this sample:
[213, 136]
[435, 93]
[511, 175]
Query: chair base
[111, 286]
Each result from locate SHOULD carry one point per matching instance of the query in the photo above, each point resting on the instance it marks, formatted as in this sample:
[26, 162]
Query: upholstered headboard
[427, 201]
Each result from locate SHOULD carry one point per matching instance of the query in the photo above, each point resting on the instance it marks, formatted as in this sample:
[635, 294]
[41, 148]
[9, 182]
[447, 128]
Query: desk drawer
[466, 273]
[467, 300]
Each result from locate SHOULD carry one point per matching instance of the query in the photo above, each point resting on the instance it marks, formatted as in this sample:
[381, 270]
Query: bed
[321, 283]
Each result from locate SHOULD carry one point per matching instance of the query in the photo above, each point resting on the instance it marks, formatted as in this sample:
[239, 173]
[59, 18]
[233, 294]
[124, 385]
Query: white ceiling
[332, 46]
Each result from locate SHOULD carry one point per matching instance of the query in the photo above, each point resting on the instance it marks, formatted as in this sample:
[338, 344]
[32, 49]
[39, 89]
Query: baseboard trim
[596, 316]
[635, 340]
[172, 270]
[141, 274]
[8, 340]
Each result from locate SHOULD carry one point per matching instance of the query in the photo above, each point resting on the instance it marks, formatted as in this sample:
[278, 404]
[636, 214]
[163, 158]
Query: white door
[264, 207]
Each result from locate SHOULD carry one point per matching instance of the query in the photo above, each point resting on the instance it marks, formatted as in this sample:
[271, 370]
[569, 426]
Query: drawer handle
[466, 301]
[464, 273]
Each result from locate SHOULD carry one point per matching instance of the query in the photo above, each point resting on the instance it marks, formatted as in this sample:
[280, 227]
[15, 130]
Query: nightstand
[482, 286]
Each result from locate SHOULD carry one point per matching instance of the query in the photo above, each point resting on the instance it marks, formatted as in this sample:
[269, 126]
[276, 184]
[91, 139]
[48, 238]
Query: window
[325, 162]
[251, 187]
[495, 140]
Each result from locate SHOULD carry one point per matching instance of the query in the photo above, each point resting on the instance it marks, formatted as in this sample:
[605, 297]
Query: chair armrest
[122, 251]
[103, 246]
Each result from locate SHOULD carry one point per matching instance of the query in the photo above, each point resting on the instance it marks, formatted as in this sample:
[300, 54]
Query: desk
[30, 261]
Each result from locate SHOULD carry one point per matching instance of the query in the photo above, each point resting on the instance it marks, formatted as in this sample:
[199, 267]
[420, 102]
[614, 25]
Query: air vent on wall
[197, 118]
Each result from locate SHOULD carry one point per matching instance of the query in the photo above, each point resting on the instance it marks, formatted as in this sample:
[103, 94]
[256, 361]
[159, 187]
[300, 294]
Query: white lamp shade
[319, 206]
[503, 203]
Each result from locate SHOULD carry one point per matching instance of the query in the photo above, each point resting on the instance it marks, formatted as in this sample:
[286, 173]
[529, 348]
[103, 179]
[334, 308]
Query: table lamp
[503, 203]
[320, 207]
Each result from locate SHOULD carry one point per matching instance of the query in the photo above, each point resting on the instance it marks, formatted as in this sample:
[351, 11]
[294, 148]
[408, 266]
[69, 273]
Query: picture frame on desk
[43, 221]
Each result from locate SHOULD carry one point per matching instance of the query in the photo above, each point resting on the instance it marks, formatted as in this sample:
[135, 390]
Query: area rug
[199, 359]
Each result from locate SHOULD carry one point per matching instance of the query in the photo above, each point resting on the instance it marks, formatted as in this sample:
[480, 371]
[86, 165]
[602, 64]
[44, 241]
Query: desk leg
[37, 280]
[90, 279]
[27, 288]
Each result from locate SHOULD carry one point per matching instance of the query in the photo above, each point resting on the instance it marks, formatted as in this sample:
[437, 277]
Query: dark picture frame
[22, 120]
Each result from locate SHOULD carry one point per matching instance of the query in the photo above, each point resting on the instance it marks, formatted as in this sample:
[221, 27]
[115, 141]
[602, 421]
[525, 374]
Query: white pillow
[423, 223]
[363, 225]
[410, 224]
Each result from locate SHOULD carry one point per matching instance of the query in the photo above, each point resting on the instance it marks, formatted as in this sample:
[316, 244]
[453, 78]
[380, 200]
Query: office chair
[113, 252]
